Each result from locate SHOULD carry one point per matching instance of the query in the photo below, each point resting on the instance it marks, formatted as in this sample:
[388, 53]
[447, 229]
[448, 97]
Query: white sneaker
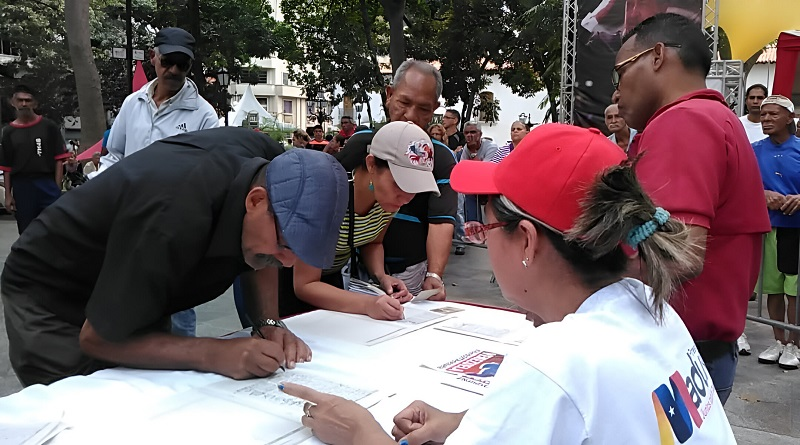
[789, 359]
[770, 356]
[744, 346]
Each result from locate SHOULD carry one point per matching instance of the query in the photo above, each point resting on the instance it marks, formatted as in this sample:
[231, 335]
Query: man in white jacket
[169, 105]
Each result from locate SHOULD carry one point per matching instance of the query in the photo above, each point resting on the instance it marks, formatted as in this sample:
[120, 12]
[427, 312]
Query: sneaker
[770, 356]
[789, 359]
[744, 346]
[460, 250]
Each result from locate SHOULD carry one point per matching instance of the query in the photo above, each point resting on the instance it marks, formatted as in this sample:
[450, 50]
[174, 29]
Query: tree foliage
[333, 45]
[229, 34]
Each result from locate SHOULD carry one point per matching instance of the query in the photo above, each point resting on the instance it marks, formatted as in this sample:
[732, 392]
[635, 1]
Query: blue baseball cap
[309, 195]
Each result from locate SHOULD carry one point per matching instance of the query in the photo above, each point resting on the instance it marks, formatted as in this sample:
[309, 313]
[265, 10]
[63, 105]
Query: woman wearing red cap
[564, 219]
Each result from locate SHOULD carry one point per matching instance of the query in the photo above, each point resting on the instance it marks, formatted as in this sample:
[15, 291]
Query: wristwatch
[269, 322]
[434, 275]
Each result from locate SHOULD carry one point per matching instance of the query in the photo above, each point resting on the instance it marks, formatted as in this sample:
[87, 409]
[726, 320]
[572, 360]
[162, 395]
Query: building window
[488, 108]
[286, 78]
[7, 49]
[287, 107]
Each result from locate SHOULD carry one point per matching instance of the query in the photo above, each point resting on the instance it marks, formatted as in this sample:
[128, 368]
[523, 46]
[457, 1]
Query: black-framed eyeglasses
[180, 60]
[616, 73]
[475, 232]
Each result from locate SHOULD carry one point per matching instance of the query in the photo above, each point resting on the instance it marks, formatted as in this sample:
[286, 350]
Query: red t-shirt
[699, 165]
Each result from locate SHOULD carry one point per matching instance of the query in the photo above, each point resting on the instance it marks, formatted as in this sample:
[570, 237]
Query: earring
[525, 262]
[371, 187]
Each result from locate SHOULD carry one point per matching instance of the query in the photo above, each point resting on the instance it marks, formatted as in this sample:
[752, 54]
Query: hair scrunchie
[647, 229]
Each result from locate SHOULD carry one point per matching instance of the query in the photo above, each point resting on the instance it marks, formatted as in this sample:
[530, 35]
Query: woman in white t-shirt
[565, 221]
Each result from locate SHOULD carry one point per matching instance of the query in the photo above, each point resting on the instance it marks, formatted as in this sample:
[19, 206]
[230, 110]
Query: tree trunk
[369, 113]
[371, 46]
[87, 79]
[393, 12]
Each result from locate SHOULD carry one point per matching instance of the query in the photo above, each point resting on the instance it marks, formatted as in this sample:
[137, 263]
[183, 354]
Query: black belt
[711, 349]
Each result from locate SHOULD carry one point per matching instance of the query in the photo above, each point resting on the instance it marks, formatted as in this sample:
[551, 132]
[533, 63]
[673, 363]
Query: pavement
[764, 407]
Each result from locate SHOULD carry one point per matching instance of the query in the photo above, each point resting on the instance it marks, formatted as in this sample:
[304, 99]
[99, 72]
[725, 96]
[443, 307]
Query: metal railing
[759, 318]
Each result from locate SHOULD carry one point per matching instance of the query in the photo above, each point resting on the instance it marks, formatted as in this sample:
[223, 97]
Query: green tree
[330, 44]
[36, 30]
[533, 59]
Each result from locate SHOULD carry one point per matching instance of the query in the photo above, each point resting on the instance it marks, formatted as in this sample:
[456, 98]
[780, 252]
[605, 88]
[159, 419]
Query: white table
[123, 405]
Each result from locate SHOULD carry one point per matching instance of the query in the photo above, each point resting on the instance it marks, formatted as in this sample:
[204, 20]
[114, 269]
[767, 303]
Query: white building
[280, 96]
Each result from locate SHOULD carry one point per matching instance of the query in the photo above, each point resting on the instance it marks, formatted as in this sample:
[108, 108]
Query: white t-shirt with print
[753, 129]
[605, 374]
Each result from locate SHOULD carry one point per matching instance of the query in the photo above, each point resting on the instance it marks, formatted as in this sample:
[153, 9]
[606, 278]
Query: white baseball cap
[409, 152]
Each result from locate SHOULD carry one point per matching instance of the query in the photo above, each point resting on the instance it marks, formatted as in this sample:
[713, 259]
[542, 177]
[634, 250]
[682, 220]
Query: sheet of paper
[471, 371]
[350, 328]
[511, 335]
[264, 394]
[356, 285]
[199, 416]
[415, 319]
[424, 295]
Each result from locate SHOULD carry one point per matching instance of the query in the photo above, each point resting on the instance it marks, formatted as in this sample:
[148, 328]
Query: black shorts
[788, 240]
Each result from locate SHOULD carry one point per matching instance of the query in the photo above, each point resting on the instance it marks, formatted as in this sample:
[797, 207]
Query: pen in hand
[258, 331]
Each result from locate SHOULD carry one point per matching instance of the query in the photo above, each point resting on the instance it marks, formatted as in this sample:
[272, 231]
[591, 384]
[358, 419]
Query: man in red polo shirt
[697, 163]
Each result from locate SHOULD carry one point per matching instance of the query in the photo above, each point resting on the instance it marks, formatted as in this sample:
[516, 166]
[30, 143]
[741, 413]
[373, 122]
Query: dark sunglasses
[616, 73]
[182, 61]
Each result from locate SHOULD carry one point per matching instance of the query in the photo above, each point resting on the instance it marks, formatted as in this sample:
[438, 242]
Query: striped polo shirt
[367, 228]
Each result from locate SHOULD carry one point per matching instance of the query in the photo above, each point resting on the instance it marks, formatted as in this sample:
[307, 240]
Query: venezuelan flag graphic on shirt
[677, 403]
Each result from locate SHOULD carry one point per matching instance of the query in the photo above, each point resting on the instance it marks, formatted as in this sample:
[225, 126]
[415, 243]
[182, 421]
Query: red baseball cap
[547, 175]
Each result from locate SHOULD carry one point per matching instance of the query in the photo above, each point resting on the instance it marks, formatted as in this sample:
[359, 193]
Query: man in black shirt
[418, 241]
[31, 156]
[455, 139]
[94, 279]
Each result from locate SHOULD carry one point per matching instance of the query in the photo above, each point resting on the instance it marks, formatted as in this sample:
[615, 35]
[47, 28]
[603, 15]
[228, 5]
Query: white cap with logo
[409, 152]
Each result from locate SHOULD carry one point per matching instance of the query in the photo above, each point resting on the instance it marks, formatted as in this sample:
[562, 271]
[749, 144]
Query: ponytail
[615, 211]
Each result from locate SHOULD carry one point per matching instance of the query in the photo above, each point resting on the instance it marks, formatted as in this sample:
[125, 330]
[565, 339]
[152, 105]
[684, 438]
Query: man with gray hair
[621, 133]
[417, 243]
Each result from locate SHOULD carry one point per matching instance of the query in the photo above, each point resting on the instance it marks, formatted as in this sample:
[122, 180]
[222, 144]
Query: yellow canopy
[751, 24]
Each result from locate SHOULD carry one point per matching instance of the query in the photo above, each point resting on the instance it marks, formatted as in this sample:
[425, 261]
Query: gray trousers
[413, 277]
[42, 347]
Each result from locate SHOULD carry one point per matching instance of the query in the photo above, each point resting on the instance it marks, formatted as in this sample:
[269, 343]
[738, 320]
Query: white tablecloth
[141, 406]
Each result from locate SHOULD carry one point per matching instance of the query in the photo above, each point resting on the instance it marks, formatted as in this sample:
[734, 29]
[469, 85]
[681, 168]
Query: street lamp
[224, 79]
[321, 114]
[359, 107]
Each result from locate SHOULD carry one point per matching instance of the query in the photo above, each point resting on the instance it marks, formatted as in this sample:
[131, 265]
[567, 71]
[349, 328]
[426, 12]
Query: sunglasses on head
[182, 61]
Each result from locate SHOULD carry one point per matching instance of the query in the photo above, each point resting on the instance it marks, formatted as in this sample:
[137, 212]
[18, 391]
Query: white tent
[249, 104]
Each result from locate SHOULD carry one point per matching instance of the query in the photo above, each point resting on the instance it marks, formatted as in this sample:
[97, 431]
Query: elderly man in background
[418, 241]
[621, 133]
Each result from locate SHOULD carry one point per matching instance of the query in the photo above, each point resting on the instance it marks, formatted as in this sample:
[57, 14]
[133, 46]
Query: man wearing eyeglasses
[697, 163]
[168, 105]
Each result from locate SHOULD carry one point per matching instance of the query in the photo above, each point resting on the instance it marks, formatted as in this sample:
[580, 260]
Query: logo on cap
[420, 153]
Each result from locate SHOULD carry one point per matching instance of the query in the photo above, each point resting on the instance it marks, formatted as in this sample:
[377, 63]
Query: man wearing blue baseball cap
[92, 281]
